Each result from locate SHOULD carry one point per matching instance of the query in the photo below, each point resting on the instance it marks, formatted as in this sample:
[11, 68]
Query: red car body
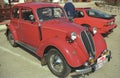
[41, 35]
[95, 18]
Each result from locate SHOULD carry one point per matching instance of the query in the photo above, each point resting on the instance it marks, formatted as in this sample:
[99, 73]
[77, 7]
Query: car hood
[62, 25]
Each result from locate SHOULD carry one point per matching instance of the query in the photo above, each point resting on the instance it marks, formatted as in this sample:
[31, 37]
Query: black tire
[11, 39]
[57, 64]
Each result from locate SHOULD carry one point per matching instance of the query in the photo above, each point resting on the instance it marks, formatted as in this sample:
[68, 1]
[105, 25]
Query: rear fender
[65, 49]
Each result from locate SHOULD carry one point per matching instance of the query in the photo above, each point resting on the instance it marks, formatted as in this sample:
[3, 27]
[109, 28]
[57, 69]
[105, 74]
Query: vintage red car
[44, 29]
[88, 17]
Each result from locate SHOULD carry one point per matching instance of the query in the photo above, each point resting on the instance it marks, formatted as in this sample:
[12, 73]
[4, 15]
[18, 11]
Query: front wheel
[57, 64]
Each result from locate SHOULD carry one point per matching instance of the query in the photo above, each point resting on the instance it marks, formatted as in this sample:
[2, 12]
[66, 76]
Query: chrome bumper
[95, 66]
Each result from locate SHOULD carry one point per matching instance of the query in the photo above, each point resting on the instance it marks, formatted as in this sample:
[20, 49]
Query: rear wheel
[57, 63]
[11, 39]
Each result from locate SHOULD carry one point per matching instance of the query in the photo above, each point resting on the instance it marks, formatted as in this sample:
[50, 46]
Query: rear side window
[79, 14]
[15, 13]
[27, 14]
[98, 14]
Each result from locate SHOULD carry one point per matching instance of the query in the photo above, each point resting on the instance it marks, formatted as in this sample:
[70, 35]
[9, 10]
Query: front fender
[65, 48]
[100, 44]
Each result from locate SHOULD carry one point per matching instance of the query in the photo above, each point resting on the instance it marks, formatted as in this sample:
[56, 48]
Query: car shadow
[79, 75]
[73, 74]
[30, 52]
[107, 34]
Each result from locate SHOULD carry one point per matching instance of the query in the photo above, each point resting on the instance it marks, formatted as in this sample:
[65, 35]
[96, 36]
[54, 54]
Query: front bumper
[105, 57]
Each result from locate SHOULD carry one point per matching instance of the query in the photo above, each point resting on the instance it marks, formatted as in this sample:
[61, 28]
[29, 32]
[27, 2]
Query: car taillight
[112, 22]
[109, 23]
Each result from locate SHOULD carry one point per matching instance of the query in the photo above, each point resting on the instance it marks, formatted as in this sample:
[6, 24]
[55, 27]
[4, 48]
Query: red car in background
[88, 17]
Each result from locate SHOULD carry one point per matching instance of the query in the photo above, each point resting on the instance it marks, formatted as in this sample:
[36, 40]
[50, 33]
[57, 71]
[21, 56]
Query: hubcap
[11, 39]
[56, 63]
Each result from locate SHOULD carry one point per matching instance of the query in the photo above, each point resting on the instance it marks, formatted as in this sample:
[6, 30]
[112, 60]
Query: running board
[27, 46]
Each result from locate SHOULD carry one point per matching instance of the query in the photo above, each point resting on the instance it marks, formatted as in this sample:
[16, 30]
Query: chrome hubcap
[56, 63]
[11, 38]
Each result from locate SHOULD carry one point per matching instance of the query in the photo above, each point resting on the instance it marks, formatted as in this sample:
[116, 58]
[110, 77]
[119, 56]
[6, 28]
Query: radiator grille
[88, 42]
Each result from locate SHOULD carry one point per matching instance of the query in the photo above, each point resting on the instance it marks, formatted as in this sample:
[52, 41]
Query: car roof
[36, 5]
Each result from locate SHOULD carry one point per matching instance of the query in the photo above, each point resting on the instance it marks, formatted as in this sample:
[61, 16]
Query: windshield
[50, 13]
[97, 13]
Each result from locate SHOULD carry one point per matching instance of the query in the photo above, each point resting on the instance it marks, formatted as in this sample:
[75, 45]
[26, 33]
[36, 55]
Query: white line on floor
[22, 57]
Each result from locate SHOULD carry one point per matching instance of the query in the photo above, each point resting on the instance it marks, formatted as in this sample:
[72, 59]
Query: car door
[29, 28]
[15, 19]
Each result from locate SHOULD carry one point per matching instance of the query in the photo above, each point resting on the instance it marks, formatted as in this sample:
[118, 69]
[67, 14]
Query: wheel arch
[6, 33]
[86, 25]
[64, 48]
[48, 48]
[12, 30]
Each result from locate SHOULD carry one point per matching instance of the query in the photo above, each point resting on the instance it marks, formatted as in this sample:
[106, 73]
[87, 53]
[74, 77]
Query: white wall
[20, 1]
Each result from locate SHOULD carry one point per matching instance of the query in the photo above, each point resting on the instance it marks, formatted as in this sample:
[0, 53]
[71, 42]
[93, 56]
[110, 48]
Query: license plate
[101, 61]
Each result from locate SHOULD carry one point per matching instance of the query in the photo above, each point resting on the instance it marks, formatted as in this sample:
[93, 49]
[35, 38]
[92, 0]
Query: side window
[58, 12]
[91, 13]
[27, 14]
[45, 14]
[79, 14]
[15, 13]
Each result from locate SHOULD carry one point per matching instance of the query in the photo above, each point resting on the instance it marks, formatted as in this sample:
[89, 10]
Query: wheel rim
[11, 39]
[56, 63]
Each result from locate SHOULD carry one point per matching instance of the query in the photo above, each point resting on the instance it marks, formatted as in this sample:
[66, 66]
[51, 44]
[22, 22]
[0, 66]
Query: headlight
[71, 37]
[94, 30]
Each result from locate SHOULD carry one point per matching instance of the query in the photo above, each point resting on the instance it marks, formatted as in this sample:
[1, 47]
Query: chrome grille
[88, 42]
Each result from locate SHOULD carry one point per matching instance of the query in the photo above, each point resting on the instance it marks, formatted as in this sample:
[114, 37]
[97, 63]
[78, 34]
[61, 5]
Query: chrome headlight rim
[73, 36]
[94, 30]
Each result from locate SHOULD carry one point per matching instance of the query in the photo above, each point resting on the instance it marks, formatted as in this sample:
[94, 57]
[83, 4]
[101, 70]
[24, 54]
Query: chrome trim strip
[89, 41]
